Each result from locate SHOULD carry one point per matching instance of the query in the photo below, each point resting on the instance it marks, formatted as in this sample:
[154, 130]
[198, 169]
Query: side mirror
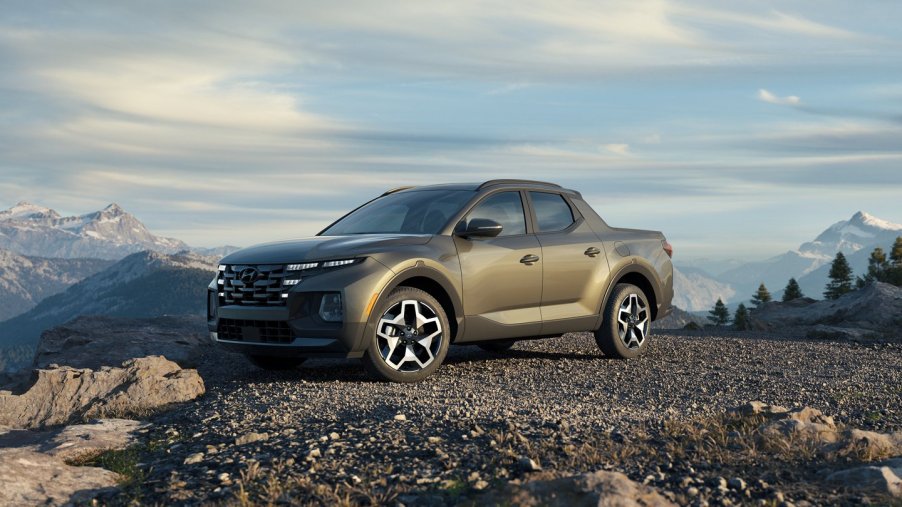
[478, 228]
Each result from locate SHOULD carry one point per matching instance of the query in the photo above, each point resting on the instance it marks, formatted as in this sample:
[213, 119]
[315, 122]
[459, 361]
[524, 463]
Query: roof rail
[525, 182]
[392, 191]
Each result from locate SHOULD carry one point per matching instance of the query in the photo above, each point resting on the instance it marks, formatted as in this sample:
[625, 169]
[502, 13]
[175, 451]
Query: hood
[322, 248]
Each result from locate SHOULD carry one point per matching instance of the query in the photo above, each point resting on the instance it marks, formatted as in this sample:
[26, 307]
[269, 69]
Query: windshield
[411, 212]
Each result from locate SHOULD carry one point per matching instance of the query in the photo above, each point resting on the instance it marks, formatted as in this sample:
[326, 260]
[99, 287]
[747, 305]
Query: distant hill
[145, 284]
[111, 233]
[809, 264]
[25, 281]
[695, 290]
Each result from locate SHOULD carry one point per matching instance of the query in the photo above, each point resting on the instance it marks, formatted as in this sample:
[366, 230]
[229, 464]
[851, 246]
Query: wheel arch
[639, 275]
[436, 285]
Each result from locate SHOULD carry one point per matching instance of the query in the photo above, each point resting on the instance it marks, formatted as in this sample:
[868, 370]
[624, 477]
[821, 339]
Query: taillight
[668, 248]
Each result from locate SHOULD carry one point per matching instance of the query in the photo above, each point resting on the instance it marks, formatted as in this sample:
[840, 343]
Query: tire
[625, 330]
[276, 363]
[497, 346]
[411, 337]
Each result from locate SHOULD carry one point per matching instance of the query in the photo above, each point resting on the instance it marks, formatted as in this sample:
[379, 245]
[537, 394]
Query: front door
[501, 276]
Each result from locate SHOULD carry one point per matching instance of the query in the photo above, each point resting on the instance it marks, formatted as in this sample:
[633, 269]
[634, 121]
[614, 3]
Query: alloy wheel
[632, 321]
[409, 335]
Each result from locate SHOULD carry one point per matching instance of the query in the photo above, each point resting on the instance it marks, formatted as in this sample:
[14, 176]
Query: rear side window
[552, 211]
[506, 208]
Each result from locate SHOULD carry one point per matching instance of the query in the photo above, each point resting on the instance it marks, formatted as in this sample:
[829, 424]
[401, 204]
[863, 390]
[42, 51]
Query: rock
[33, 467]
[95, 341]
[737, 484]
[873, 309]
[602, 488]
[400, 417]
[334, 435]
[28, 477]
[195, 458]
[881, 478]
[871, 444]
[251, 438]
[66, 394]
[528, 465]
[759, 408]
[807, 423]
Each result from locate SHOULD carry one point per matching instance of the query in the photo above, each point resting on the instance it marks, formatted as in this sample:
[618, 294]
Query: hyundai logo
[248, 275]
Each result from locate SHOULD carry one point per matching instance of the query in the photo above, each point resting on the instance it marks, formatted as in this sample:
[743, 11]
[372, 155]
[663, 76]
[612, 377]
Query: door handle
[592, 251]
[529, 259]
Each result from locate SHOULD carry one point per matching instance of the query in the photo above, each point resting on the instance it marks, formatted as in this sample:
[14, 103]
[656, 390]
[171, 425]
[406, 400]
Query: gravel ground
[328, 429]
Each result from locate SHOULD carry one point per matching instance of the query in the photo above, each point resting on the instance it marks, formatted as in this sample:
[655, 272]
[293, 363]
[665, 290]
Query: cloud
[770, 98]
[622, 149]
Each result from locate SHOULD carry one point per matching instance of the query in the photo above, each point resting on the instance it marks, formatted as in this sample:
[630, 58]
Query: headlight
[330, 307]
[325, 264]
[337, 263]
[301, 267]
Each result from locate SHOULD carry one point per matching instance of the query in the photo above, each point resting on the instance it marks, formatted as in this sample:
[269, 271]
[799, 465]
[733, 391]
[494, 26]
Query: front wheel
[627, 323]
[276, 363]
[411, 338]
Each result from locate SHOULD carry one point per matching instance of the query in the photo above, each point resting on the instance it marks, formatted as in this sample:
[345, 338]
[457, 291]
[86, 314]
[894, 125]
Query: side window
[552, 211]
[505, 208]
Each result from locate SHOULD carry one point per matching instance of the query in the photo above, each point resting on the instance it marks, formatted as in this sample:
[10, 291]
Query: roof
[485, 184]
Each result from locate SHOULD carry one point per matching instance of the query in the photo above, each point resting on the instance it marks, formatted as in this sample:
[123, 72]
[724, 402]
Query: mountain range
[110, 233]
[25, 281]
[144, 284]
[809, 265]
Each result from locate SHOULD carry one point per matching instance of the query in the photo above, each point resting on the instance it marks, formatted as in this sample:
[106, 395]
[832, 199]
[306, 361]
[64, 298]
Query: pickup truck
[402, 277]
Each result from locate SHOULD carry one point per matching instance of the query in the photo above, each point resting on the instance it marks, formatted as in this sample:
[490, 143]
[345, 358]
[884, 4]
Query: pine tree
[761, 297]
[792, 291]
[840, 278]
[719, 315]
[741, 318]
[878, 268]
[894, 268]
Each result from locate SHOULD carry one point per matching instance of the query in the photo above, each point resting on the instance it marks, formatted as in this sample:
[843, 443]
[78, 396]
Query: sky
[740, 129]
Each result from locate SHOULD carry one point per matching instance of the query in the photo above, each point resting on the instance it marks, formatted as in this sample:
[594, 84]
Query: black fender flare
[422, 271]
[640, 267]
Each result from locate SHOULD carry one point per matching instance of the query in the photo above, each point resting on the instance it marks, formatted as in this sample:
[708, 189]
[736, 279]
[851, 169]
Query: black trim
[490, 183]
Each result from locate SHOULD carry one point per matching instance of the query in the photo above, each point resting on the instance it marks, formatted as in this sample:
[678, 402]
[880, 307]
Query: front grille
[252, 285]
[254, 331]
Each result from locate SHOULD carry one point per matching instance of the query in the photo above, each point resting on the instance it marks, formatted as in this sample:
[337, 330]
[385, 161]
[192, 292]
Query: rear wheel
[627, 323]
[275, 362]
[497, 346]
[411, 338]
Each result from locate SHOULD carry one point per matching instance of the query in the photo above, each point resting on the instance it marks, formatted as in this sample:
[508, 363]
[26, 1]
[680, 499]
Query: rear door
[501, 276]
[575, 267]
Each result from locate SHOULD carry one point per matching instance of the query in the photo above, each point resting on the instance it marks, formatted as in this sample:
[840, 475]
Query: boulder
[874, 309]
[34, 468]
[29, 477]
[882, 478]
[76, 441]
[95, 341]
[811, 425]
[601, 488]
[65, 394]
[806, 423]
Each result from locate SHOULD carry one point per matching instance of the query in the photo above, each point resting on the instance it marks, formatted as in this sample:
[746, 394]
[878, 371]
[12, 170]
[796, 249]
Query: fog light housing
[330, 307]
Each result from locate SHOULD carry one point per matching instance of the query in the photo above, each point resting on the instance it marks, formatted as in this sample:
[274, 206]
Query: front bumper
[296, 328]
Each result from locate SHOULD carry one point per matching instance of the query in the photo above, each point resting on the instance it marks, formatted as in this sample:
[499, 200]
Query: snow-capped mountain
[110, 233]
[810, 263]
[145, 284]
[25, 281]
[694, 290]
